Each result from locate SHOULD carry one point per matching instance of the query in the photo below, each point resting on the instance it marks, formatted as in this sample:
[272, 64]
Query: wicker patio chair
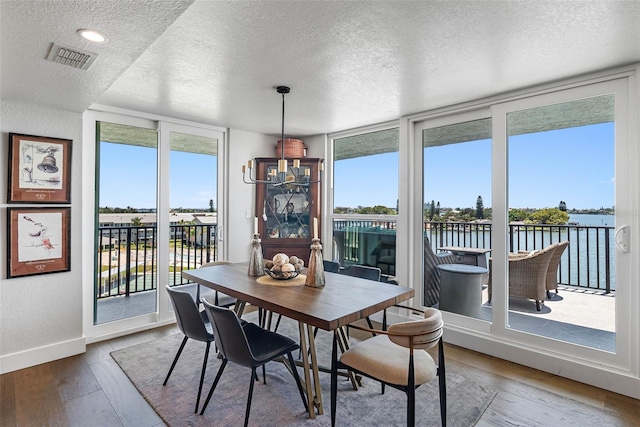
[554, 264]
[528, 275]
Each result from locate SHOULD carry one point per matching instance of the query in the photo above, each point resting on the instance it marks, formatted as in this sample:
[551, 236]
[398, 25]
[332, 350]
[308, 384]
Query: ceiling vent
[75, 58]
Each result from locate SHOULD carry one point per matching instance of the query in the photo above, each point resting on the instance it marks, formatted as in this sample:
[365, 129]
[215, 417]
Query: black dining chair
[194, 324]
[331, 266]
[247, 345]
[221, 299]
[364, 272]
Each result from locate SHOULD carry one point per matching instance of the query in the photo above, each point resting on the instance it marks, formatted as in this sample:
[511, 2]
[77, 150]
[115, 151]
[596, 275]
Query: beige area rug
[277, 403]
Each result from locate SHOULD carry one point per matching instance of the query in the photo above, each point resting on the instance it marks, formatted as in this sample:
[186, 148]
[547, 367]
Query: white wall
[42, 314]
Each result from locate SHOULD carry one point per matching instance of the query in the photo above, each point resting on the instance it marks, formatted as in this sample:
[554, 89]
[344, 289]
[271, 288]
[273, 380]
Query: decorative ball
[288, 267]
[280, 259]
[268, 264]
[293, 259]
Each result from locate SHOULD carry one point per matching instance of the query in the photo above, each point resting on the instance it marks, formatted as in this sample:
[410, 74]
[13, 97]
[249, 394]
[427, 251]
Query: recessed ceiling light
[92, 35]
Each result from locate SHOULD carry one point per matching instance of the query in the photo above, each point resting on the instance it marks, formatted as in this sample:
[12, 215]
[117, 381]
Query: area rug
[277, 403]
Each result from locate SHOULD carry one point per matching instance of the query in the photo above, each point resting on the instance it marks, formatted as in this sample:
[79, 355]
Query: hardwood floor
[91, 390]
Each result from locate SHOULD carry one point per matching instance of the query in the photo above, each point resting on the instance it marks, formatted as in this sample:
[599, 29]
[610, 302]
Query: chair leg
[538, 308]
[548, 294]
[298, 382]
[411, 395]
[175, 359]
[204, 369]
[334, 378]
[442, 384]
[213, 386]
[246, 414]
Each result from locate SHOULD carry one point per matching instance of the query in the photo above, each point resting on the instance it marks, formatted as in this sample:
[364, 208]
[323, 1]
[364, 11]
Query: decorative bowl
[282, 275]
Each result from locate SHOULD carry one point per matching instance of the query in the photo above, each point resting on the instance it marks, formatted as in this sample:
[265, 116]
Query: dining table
[341, 301]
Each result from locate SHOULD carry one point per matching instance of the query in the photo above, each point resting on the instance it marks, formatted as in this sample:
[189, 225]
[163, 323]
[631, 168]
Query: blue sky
[575, 165]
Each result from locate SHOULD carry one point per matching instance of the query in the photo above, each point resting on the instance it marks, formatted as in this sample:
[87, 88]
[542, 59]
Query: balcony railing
[127, 256]
[588, 262]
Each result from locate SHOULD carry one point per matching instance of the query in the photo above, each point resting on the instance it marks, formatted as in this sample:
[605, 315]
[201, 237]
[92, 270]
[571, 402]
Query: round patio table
[461, 288]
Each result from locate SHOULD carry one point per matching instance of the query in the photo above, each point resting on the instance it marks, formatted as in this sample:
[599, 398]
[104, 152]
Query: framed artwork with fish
[38, 240]
[39, 169]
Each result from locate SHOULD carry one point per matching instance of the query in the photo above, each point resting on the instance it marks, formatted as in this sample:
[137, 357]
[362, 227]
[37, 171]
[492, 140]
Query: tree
[432, 210]
[211, 205]
[518, 215]
[562, 206]
[479, 208]
[438, 209]
[549, 216]
[136, 221]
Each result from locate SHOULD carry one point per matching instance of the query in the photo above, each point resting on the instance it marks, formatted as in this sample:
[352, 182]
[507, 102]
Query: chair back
[364, 272]
[231, 340]
[188, 316]
[554, 264]
[432, 274]
[212, 263]
[425, 333]
[331, 266]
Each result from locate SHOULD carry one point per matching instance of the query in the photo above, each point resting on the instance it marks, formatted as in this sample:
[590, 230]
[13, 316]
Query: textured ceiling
[348, 63]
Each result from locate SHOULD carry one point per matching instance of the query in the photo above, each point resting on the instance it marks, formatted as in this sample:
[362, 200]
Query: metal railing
[588, 262]
[127, 256]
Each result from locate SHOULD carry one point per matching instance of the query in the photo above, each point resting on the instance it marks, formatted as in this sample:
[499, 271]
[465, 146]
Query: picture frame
[39, 169]
[38, 240]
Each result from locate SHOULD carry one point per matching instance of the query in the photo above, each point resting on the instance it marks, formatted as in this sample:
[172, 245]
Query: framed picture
[38, 240]
[39, 169]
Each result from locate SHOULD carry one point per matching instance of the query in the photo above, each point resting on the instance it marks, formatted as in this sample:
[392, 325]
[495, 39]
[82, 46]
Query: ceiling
[348, 63]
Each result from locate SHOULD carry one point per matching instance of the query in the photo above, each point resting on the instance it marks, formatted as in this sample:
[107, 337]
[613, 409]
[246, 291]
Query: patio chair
[554, 265]
[385, 254]
[432, 274]
[397, 357]
[528, 275]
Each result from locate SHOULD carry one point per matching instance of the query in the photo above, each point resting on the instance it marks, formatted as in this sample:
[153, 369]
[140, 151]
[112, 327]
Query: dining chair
[331, 266]
[220, 299]
[364, 272]
[194, 324]
[397, 357]
[247, 345]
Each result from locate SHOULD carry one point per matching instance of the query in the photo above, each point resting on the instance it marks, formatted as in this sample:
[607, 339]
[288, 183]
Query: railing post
[127, 291]
[607, 261]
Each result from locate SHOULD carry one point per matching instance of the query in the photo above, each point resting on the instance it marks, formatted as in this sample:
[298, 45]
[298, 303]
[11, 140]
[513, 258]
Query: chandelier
[283, 174]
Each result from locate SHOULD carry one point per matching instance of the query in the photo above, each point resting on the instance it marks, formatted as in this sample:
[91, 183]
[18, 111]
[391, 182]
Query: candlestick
[315, 228]
[256, 268]
[255, 225]
[315, 267]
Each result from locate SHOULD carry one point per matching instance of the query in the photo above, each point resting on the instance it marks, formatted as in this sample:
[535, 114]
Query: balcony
[586, 275]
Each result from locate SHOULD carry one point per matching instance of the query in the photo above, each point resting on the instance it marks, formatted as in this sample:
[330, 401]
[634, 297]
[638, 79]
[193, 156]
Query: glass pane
[366, 183]
[457, 224]
[561, 189]
[193, 171]
[125, 280]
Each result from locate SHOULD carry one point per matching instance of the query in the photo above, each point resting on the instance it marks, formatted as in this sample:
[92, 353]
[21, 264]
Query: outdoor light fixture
[281, 175]
[92, 35]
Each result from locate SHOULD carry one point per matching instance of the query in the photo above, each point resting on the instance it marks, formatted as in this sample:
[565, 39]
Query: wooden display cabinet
[286, 211]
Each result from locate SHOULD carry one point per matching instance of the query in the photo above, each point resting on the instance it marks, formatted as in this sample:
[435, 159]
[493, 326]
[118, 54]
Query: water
[593, 220]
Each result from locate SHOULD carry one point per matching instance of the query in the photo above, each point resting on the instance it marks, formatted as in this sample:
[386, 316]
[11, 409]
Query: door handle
[621, 238]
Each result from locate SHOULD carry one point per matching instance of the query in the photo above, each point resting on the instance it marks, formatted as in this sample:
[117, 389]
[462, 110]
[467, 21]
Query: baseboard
[36, 356]
[600, 376]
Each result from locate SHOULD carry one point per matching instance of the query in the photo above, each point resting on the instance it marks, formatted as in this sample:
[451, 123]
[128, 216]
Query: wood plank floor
[91, 390]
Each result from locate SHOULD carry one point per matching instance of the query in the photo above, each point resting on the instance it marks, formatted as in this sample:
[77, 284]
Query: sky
[575, 165]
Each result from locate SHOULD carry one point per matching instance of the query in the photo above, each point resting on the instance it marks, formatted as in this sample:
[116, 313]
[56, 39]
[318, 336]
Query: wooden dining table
[341, 301]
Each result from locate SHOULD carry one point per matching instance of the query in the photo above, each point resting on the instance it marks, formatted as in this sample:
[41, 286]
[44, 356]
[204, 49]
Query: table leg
[311, 398]
[314, 369]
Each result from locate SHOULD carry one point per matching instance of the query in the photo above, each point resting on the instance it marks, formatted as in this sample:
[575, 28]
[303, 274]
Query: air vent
[75, 58]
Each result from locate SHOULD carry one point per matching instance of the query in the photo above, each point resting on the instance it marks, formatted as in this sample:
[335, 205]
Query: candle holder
[256, 268]
[315, 268]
